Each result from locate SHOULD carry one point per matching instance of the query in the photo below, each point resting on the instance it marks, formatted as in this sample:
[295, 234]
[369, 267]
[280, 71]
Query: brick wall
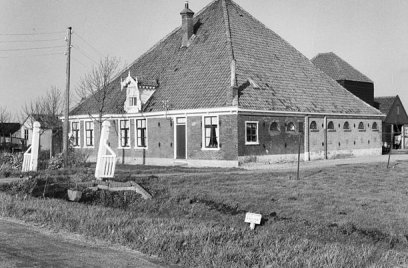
[271, 142]
[227, 139]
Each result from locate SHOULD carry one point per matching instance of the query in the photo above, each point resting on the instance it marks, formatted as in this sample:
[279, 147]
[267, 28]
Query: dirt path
[22, 245]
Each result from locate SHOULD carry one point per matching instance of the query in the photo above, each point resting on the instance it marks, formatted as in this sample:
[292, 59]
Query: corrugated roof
[199, 76]
[338, 69]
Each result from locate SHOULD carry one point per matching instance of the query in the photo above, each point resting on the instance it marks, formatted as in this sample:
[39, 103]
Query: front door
[181, 138]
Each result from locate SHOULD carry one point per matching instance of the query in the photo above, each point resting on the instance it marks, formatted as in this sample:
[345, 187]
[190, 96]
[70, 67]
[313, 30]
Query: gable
[396, 113]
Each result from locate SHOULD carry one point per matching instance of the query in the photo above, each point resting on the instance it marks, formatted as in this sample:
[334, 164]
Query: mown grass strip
[195, 243]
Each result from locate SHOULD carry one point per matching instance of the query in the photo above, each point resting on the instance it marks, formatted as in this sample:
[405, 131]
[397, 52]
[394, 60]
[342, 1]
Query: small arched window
[361, 126]
[290, 127]
[274, 127]
[313, 125]
[375, 127]
[330, 125]
[346, 125]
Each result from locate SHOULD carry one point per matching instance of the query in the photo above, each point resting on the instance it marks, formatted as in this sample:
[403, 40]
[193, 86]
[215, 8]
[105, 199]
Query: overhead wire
[27, 34]
[29, 41]
[86, 42]
[84, 54]
[33, 55]
[30, 48]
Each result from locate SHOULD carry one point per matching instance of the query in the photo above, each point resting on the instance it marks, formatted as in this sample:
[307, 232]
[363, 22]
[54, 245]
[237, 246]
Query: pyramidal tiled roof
[337, 68]
[199, 76]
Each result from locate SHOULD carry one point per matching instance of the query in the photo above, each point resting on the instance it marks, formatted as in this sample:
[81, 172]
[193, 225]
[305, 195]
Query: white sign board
[252, 219]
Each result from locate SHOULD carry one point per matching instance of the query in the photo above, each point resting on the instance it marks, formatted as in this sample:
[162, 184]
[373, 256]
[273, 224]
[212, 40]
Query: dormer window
[138, 92]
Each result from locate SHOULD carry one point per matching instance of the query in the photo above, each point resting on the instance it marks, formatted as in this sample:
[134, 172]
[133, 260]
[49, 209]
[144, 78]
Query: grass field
[341, 216]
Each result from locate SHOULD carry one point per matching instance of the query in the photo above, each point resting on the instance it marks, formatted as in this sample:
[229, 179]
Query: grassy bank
[347, 216]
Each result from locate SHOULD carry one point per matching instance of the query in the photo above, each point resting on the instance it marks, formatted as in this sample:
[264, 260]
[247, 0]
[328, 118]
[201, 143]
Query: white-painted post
[35, 146]
[102, 149]
[105, 165]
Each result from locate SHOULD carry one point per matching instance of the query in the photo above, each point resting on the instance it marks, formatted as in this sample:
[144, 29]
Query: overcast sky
[370, 35]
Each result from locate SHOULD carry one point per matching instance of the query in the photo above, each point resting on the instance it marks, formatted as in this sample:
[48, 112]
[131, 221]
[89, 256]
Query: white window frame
[79, 133]
[203, 147]
[120, 135]
[257, 133]
[86, 134]
[131, 103]
[136, 137]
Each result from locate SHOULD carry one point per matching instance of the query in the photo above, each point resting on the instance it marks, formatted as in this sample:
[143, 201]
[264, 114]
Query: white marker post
[30, 161]
[252, 219]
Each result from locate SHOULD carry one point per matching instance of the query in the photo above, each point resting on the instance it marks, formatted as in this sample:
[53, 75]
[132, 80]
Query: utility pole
[66, 110]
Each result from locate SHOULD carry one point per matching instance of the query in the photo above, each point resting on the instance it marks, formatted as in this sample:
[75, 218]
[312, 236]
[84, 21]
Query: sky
[372, 36]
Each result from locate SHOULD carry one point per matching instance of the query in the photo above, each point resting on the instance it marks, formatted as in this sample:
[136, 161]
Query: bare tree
[95, 85]
[47, 110]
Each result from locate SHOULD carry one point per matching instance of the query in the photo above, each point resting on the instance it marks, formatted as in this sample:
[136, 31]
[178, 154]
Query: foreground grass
[348, 216]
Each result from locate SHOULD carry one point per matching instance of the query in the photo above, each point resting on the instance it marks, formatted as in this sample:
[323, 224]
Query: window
[132, 101]
[26, 134]
[89, 133]
[361, 126]
[375, 126]
[313, 125]
[290, 127]
[141, 133]
[274, 127]
[346, 125]
[330, 125]
[251, 134]
[75, 133]
[124, 133]
[211, 132]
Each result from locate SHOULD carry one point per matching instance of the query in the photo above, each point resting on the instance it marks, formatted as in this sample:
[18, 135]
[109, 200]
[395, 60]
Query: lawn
[341, 216]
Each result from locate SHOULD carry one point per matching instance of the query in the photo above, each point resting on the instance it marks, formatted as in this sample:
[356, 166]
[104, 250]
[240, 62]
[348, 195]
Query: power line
[29, 41]
[30, 48]
[34, 55]
[83, 53]
[79, 62]
[14, 34]
[91, 46]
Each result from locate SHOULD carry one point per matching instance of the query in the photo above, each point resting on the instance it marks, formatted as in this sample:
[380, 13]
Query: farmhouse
[222, 89]
[363, 87]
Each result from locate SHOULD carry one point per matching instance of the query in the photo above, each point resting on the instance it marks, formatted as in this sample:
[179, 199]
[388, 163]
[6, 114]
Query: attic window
[346, 126]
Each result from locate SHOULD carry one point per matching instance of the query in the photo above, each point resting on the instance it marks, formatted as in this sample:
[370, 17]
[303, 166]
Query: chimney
[187, 25]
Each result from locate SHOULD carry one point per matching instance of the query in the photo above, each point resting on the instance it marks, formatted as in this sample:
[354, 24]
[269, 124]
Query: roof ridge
[229, 40]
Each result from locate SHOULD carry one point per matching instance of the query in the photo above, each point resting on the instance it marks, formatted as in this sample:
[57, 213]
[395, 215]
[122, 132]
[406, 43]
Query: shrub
[75, 159]
[10, 164]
